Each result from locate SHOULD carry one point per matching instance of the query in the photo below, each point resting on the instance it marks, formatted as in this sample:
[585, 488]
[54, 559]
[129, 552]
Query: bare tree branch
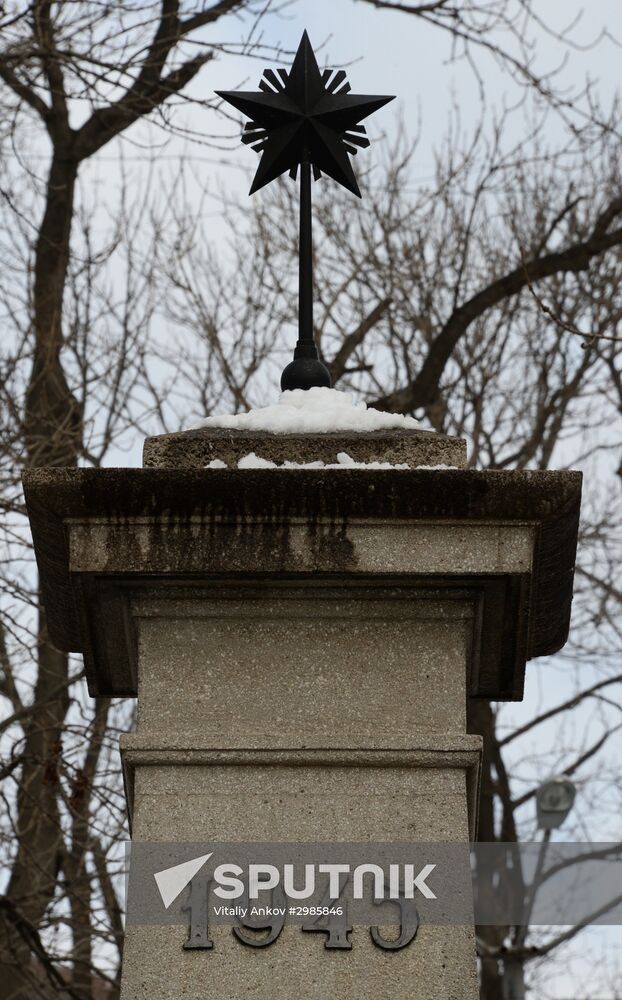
[424, 388]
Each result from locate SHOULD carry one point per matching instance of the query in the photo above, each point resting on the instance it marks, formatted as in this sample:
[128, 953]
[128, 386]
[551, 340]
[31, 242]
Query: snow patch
[312, 411]
[344, 461]
[434, 468]
[253, 461]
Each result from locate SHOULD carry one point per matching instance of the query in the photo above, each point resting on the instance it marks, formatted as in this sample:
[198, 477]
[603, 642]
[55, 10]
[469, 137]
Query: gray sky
[385, 52]
[395, 53]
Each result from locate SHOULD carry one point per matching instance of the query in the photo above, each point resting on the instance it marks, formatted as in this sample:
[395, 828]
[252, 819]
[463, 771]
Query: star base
[305, 373]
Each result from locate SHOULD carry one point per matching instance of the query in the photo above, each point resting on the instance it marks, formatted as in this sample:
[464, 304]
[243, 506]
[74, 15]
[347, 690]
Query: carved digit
[409, 925]
[274, 924]
[198, 899]
[335, 925]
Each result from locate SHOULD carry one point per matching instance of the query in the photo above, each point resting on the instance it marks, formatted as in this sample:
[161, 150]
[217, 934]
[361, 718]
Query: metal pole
[306, 370]
[533, 889]
[305, 347]
[513, 964]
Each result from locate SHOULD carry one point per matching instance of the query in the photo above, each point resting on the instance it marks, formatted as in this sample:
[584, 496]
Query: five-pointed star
[302, 116]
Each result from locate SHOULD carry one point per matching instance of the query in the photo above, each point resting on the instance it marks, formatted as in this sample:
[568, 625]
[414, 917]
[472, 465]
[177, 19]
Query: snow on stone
[313, 411]
[253, 461]
[344, 461]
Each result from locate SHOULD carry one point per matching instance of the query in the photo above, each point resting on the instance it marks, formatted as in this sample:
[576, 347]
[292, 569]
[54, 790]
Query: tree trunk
[53, 431]
[39, 840]
[53, 419]
[481, 721]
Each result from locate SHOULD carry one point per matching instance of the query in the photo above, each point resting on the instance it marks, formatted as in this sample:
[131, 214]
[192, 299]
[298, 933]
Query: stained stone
[303, 645]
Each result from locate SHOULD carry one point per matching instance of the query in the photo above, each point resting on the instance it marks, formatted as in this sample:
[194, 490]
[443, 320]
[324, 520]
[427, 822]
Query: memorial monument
[303, 629]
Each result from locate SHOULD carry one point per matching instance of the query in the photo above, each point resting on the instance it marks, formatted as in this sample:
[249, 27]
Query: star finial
[308, 119]
[305, 115]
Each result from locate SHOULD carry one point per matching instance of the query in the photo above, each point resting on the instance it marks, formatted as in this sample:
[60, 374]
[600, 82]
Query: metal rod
[306, 344]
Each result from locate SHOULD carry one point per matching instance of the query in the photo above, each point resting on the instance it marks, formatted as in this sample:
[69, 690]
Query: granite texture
[509, 539]
[413, 796]
[441, 773]
[390, 796]
[439, 965]
[360, 547]
[197, 448]
[303, 644]
[301, 670]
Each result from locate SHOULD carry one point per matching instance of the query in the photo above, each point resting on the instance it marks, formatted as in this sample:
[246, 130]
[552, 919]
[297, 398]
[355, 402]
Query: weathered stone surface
[438, 965]
[508, 538]
[419, 795]
[303, 644]
[197, 448]
[302, 671]
[424, 793]
[256, 546]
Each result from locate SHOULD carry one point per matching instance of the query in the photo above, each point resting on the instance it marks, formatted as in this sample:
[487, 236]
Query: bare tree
[508, 33]
[76, 75]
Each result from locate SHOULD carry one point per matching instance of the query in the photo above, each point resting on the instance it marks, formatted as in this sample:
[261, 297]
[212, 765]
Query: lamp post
[554, 800]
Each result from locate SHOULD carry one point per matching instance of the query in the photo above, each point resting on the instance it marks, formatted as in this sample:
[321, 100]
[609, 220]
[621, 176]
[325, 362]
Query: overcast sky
[384, 52]
[394, 53]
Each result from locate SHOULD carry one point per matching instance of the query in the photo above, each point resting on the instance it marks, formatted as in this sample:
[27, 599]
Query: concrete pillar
[302, 644]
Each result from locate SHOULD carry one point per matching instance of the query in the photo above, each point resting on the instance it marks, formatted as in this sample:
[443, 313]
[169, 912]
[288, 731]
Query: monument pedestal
[302, 644]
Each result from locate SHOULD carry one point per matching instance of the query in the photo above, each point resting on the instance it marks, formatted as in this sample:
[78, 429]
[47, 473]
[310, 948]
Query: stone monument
[302, 643]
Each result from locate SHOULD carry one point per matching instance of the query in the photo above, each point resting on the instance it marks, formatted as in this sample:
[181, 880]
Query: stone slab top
[149, 522]
[197, 448]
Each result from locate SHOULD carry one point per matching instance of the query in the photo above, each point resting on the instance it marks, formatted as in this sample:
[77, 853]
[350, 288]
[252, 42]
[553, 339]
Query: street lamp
[554, 800]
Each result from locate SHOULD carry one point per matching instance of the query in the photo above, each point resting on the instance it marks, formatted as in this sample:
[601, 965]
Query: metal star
[308, 119]
[305, 116]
